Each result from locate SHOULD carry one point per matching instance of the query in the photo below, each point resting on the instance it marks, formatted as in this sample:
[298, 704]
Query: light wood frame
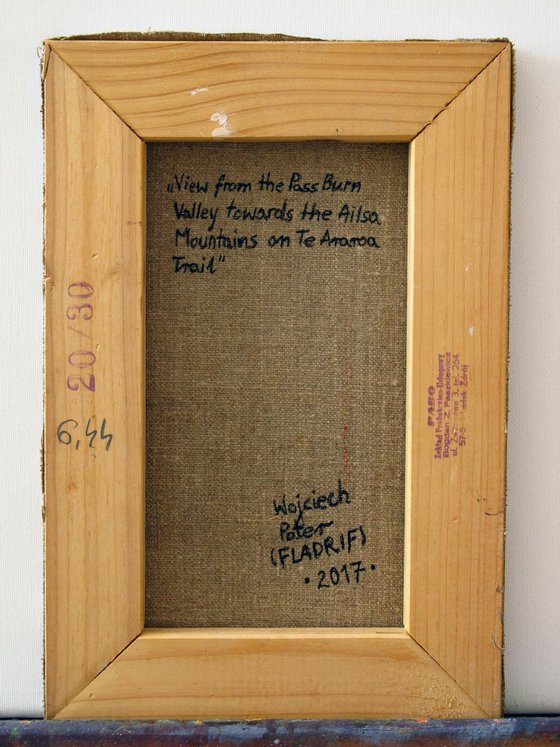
[103, 101]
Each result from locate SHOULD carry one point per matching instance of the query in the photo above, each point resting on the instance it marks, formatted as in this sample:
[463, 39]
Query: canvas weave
[275, 376]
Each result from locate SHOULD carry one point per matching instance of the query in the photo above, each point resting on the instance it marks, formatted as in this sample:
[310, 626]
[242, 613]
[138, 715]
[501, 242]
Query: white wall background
[532, 653]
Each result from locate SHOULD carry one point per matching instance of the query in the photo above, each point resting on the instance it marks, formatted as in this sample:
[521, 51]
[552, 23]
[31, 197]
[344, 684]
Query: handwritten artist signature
[313, 502]
[296, 528]
[293, 528]
[344, 542]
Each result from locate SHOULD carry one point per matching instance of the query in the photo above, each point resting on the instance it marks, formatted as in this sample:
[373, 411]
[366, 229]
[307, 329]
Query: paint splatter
[224, 129]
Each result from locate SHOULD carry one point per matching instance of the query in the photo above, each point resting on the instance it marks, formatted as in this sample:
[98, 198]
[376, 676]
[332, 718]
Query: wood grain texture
[458, 298]
[233, 673]
[277, 90]
[93, 496]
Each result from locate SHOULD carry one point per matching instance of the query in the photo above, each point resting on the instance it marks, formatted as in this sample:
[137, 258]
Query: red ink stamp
[447, 400]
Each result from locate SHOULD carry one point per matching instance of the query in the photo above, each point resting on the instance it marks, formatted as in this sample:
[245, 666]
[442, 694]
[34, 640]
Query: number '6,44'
[68, 433]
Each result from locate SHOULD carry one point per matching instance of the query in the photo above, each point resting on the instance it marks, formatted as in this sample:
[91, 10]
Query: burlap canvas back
[275, 383]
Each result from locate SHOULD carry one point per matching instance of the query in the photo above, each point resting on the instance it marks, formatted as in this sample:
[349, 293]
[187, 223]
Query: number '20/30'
[80, 312]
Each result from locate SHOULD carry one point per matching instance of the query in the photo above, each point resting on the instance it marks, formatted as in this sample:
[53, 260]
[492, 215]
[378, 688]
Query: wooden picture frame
[103, 101]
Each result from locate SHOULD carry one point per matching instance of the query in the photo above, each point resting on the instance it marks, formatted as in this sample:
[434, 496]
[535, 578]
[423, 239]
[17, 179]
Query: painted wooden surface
[277, 90]
[231, 673]
[94, 384]
[458, 279]
[515, 732]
